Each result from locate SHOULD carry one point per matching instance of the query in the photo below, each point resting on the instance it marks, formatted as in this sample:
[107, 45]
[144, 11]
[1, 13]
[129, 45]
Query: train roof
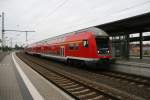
[94, 30]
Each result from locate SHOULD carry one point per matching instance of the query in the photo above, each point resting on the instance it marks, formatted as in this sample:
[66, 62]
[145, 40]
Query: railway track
[74, 87]
[84, 89]
[132, 79]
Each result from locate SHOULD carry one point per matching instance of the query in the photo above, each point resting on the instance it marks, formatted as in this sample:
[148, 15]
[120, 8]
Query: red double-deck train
[87, 46]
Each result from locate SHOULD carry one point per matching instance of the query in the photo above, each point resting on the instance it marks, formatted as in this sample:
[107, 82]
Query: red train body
[88, 46]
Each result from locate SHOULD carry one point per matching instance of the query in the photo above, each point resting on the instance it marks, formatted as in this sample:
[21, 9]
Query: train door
[62, 50]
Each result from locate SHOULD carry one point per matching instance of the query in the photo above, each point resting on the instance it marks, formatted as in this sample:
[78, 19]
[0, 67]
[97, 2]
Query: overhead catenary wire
[91, 20]
[85, 22]
[53, 11]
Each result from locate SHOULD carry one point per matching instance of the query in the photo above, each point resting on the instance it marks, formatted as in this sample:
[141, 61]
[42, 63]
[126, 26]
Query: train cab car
[88, 46]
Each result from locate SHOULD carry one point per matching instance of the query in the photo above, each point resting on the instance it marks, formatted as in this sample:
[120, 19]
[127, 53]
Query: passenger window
[76, 46]
[85, 43]
[71, 46]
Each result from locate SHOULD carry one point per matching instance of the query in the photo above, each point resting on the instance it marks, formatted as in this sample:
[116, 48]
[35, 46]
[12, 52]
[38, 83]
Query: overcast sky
[53, 17]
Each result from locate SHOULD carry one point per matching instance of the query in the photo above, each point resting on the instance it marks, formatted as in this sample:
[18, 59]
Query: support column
[127, 46]
[113, 52]
[120, 45]
[141, 47]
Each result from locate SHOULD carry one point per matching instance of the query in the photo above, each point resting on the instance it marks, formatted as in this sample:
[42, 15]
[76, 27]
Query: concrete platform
[134, 63]
[19, 82]
[11, 85]
[133, 66]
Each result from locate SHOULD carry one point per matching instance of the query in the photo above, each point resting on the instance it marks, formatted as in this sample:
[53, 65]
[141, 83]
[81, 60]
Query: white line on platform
[68, 97]
[33, 91]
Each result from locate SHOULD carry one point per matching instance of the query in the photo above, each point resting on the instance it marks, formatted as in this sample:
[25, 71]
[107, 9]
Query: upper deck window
[85, 43]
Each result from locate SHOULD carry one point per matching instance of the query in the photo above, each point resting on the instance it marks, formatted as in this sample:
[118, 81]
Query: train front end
[103, 53]
[103, 50]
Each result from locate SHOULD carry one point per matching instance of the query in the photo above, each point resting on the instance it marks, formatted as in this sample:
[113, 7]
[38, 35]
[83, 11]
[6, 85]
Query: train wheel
[69, 62]
[82, 64]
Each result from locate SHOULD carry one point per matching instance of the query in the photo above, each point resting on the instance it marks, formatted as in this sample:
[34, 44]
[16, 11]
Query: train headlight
[108, 51]
[98, 51]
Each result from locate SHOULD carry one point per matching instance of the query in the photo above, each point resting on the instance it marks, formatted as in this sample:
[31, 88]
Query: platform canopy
[140, 23]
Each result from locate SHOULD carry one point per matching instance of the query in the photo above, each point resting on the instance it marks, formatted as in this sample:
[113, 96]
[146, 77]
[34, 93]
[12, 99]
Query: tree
[17, 47]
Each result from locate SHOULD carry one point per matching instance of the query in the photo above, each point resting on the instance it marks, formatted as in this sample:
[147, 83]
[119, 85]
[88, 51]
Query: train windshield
[102, 45]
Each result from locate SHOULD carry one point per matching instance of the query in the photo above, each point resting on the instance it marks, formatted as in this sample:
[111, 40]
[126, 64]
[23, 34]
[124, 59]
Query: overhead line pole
[3, 31]
[27, 34]
[11, 44]
[22, 31]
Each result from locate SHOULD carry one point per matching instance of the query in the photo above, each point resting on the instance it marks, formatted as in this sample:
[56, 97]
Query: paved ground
[133, 66]
[3, 54]
[145, 60]
[11, 85]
